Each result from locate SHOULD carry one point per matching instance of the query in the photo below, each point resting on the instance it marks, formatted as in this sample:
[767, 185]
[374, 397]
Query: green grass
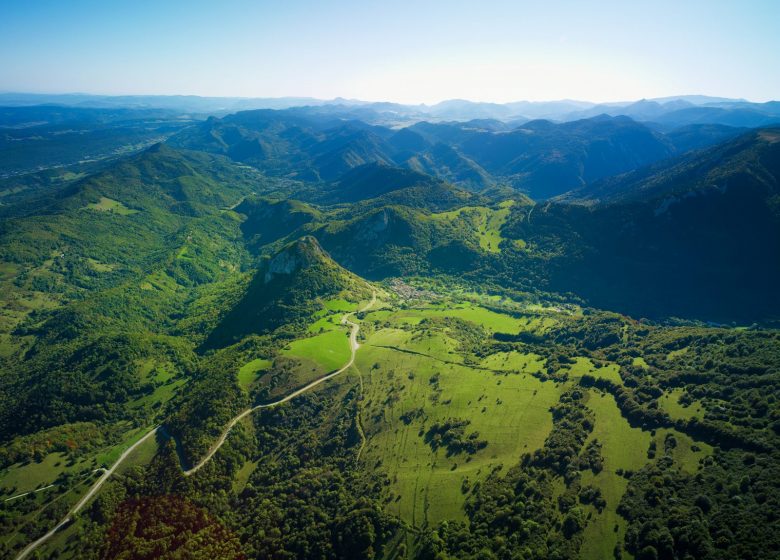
[141, 455]
[112, 206]
[685, 456]
[26, 478]
[510, 411]
[674, 354]
[250, 371]
[98, 266]
[340, 305]
[583, 366]
[514, 361]
[162, 394]
[328, 322]
[151, 370]
[640, 361]
[8, 271]
[623, 447]
[242, 477]
[670, 403]
[496, 322]
[485, 223]
[110, 456]
[329, 350]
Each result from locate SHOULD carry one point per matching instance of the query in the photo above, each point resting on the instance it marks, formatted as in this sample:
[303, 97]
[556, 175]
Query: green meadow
[414, 377]
[485, 223]
[325, 352]
[252, 371]
[112, 206]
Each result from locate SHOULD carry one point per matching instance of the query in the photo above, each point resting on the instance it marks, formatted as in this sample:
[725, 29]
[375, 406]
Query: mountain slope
[97, 277]
[698, 238]
[751, 159]
[541, 158]
[378, 184]
[546, 159]
[286, 289]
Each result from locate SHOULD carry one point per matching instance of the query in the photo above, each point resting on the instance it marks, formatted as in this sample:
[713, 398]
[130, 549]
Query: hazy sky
[400, 50]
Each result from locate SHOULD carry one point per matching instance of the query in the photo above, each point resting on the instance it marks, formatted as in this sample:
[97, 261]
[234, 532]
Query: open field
[414, 377]
[623, 447]
[326, 351]
[25, 478]
[670, 403]
[485, 222]
[112, 206]
[251, 371]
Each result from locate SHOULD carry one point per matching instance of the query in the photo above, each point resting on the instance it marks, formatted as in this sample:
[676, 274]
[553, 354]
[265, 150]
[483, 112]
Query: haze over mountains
[676, 110]
[467, 330]
[601, 173]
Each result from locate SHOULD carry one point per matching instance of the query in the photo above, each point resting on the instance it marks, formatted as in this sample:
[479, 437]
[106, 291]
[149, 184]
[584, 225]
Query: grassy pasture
[328, 350]
[514, 361]
[251, 371]
[583, 366]
[28, 477]
[670, 403]
[486, 223]
[109, 205]
[623, 447]
[407, 371]
[495, 322]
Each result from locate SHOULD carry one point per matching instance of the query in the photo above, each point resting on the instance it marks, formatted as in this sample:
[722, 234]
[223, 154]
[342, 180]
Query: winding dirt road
[353, 343]
[353, 346]
[83, 501]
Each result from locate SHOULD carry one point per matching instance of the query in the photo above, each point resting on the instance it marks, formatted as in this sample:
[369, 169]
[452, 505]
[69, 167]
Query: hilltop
[287, 288]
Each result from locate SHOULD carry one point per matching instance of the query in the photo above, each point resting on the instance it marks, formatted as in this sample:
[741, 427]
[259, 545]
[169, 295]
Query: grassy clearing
[242, 477]
[161, 395]
[670, 403]
[340, 305]
[151, 370]
[9, 271]
[640, 361]
[329, 350]
[327, 323]
[496, 322]
[510, 411]
[251, 371]
[25, 478]
[674, 354]
[111, 206]
[514, 361]
[98, 266]
[109, 457]
[141, 455]
[486, 223]
[623, 447]
[584, 366]
[686, 453]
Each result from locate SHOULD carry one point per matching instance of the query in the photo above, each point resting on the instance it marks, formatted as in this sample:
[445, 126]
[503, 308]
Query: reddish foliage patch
[168, 527]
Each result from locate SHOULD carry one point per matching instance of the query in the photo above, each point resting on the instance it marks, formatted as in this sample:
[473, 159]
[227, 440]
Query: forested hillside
[346, 340]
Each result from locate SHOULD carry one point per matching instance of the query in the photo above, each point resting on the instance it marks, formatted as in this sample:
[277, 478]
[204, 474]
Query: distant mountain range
[667, 111]
[540, 157]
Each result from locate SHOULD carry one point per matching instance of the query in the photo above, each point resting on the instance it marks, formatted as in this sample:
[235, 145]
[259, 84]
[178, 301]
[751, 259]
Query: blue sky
[406, 51]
